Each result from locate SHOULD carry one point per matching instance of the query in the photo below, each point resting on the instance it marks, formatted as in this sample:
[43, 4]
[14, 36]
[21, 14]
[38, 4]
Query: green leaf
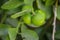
[28, 2]
[4, 26]
[28, 34]
[12, 22]
[18, 14]
[49, 2]
[10, 12]
[11, 4]
[12, 33]
[48, 10]
[3, 29]
[57, 35]
[58, 13]
[6, 37]
[25, 8]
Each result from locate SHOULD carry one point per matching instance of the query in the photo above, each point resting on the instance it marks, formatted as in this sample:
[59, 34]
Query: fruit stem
[33, 11]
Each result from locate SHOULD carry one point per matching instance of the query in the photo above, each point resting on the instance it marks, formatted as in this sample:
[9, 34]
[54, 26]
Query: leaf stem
[18, 25]
[3, 18]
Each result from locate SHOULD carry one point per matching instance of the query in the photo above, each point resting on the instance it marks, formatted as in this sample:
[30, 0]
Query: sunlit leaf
[12, 33]
[28, 2]
[26, 8]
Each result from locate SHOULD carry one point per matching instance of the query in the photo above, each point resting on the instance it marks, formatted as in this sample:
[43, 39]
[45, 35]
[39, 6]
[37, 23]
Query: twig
[54, 23]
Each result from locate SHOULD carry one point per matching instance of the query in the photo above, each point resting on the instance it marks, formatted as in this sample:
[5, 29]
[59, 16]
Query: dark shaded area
[0, 38]
[58, 2]
[18, 37]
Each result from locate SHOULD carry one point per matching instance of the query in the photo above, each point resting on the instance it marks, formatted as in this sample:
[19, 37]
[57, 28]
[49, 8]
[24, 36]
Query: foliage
[28, 19]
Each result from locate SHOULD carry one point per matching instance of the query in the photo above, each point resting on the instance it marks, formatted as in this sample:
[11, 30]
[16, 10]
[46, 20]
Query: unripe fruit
[36, 20]
[39, 18]
[27, 18]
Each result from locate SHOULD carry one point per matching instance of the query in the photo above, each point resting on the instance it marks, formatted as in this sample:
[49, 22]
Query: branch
[54, 23]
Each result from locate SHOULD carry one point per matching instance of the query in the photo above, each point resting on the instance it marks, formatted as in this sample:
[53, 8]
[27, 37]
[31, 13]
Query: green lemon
[39, 18]
[27, 18]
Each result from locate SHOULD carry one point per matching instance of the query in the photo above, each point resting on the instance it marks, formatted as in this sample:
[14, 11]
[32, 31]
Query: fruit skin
[27, 18]
[39, 18]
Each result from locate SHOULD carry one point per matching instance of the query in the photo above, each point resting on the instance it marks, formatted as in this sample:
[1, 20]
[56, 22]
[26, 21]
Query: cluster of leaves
[13, 28]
